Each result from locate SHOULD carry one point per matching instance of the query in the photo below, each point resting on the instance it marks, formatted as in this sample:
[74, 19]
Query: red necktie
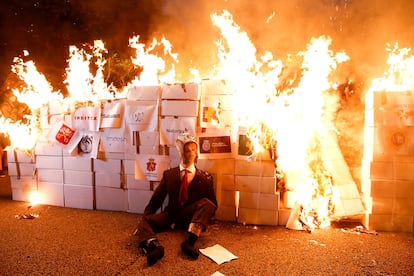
[184, 188]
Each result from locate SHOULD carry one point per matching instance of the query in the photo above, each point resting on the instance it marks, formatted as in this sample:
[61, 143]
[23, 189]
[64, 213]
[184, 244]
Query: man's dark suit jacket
[201, 186]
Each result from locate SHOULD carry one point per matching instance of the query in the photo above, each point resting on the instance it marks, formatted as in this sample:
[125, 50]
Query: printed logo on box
[216, 144]
[151, 165]
[65, 134]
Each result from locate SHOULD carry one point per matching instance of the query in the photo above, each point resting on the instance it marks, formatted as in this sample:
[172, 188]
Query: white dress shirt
[191, 172]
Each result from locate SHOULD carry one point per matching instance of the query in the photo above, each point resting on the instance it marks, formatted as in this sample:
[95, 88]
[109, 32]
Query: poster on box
[215, 144]
[64, 135]
[244, 145]
[87, 118]
[113, 114]
[171, 127]
[114, 139]
[88, 144]
[210, 109]
[151, 167]
[142, 115]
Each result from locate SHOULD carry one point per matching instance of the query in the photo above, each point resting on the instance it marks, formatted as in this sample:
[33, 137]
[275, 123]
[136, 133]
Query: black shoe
[155, 254]
[189, 249]
[153, 249]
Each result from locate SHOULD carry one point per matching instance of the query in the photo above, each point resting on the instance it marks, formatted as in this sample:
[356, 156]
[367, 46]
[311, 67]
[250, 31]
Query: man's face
[190, 153]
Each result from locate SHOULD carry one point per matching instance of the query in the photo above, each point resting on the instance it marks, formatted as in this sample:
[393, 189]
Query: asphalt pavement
[50, 240]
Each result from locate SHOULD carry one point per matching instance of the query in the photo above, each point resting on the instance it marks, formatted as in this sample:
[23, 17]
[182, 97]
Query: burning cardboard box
[388, 160]
[181, 91]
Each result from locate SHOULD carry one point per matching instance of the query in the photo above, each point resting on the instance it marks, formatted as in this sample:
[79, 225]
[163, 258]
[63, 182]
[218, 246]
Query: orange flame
[82, 85]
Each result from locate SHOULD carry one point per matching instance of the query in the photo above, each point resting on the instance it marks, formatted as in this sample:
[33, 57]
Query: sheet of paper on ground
[218, 253]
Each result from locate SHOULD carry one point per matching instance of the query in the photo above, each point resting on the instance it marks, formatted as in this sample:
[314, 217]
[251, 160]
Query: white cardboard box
[179, 108]
[136, 184]
[112, 180]
[47, 148]
[23, 182]
[144, 93]
[171, 127]
[21, 169]
[22, 194]
[78, 196]
[138, 200]
[50, 175]
[83, 178]
[111, 199]
[259, 201]
[215, 87]
[149, 138]
[257, 168]
[17, 156]
[181, 91]
[107, 165]
[77, 163]
[259, 217]
[49, 162]
[149, 150]
[256, 184]
[51, 193]
[128, 166]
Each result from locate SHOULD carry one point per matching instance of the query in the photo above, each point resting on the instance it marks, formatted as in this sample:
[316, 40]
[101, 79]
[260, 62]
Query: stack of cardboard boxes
[388, 163]
[118, 178]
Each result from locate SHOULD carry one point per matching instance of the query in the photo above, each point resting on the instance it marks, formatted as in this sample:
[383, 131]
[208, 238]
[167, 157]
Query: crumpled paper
[218, 253]
[27, 215]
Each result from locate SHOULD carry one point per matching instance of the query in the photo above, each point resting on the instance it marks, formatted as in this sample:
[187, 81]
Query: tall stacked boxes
[179, 113]
[78, 182]
[222, 171]
[216, 146]
[259, 201]
[118, 179]
[110, 192]
[49, 166]
[216, 107]
[389, 160]
[22, 172]
[139, 189]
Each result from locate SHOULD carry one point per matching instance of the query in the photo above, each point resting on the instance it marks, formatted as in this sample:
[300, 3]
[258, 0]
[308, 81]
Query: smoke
[361, 28]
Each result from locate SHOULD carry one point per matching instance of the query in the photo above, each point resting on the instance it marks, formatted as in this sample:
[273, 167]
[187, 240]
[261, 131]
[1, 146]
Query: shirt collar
[191, 168]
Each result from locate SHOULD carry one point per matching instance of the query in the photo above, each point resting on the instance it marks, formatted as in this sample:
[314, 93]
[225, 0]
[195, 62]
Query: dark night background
[362, 28]
[46, 28]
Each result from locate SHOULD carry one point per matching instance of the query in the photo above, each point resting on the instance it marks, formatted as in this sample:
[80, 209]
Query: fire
[83, 86]
[400, 74]
[35, 198]
[153, 66]
[290, 118]
[398, 78]
[37, 91]
[23, 136]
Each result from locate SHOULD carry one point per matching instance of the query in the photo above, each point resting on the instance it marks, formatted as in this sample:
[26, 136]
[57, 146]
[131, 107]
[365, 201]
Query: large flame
[400, 74]
[288, 114]
[153, 67]
[294, 119]
[82, 85]
[398, 78]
